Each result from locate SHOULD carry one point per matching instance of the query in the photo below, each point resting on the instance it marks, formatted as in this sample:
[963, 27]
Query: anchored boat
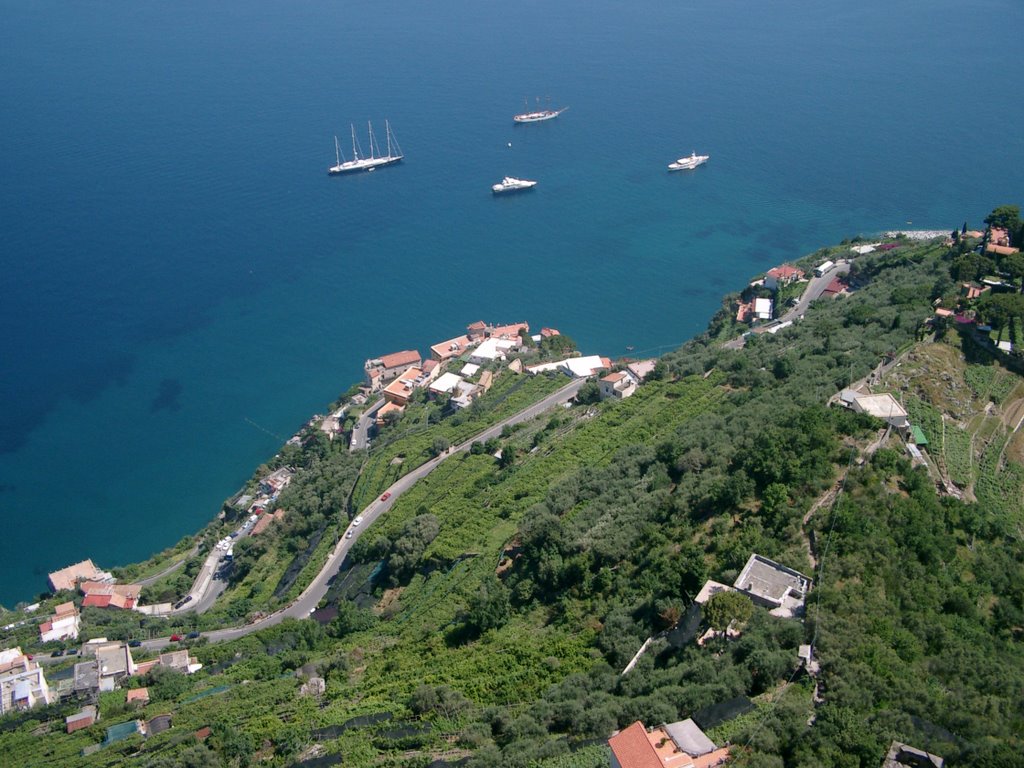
[688, 163]
[512, 184]
[359, 161]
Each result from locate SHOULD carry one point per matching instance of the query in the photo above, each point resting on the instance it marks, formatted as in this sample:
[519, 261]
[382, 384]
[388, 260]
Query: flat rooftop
[772, 583]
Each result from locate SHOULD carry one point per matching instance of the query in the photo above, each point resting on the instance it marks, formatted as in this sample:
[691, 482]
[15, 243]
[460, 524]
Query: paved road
[170, 569]
[362, 428]
[307, 602]
[813, 291]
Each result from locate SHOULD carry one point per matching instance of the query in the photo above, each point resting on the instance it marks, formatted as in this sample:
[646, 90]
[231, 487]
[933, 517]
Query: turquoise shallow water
[184, 284]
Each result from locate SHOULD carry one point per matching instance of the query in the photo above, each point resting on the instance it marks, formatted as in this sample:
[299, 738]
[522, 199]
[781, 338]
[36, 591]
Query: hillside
[489, 615]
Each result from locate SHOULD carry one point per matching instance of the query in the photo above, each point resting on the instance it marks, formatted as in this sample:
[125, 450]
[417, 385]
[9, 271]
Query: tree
[1014, 266]
[589, 393]
[1006, 217]
[525, 339]
[727, 607]
[489, 608]
[557, 346]
[439, 446]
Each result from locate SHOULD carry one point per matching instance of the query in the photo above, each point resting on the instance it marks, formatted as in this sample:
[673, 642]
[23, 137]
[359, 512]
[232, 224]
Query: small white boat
[688, 163]
[511, 184]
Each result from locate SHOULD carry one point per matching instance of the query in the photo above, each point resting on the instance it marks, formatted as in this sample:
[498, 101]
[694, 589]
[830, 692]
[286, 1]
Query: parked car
[58, 652]
[175, 638]
[134, 643]
[191, 635]
[72, 651]
[386, 496]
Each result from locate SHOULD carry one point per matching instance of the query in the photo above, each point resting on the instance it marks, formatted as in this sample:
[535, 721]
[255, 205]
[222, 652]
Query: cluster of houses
[270, 488]
[104, 667]
[99, 590]
[758, 309]
[461, 369]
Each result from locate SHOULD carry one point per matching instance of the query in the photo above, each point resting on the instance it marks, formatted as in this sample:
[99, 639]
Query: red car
[175, 638]
[385, 497]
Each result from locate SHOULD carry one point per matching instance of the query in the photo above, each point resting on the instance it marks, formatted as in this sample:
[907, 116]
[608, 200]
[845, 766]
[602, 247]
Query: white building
[63, 625]
[492, 349]
[763, 309]
[619, 385]
[446, 383]
[883, 406]
[22, 683]
[582, 367]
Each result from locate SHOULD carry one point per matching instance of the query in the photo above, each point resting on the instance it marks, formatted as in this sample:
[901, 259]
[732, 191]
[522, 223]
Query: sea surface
[183, 285]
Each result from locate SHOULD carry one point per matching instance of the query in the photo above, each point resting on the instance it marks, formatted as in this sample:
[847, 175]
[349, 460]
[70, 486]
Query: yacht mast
[355, 153]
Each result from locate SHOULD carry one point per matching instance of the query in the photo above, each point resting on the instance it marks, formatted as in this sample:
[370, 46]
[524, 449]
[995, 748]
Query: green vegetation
[490, 613]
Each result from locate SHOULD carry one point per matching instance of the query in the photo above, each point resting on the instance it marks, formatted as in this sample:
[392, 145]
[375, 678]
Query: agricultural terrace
[971, 412]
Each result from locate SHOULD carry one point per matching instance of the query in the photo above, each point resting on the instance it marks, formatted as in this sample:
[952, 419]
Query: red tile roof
[405, 357]
[1001, 250]
[633, 749]
[785, 272]
[508, 331]
[445, 350]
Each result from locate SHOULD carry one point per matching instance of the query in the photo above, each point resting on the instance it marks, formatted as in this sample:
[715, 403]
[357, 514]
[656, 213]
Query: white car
[348, 534]
[357, 521]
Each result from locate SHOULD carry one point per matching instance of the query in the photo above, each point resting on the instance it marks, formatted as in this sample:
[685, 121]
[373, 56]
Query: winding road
[307, 602]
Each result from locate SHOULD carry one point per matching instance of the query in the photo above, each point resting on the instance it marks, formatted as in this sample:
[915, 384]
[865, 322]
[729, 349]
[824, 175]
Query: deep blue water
[183, 284]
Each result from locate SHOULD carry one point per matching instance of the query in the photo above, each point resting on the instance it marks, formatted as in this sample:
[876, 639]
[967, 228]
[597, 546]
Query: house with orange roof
[138, 696]
[400, 390]
[547, 333]
[97, 595]
[618, 385]
[641, 369]
[679, 745]
[782, 275]
[1001, 250]
[971, 291]
[67, 578]
[446, 350]
[508, 331]
[380, 370]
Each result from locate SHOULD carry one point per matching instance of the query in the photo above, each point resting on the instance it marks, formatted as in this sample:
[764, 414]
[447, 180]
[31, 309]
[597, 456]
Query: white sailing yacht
[362, 163]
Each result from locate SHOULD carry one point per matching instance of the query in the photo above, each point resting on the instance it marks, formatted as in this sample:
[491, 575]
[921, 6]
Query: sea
[183, 285]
